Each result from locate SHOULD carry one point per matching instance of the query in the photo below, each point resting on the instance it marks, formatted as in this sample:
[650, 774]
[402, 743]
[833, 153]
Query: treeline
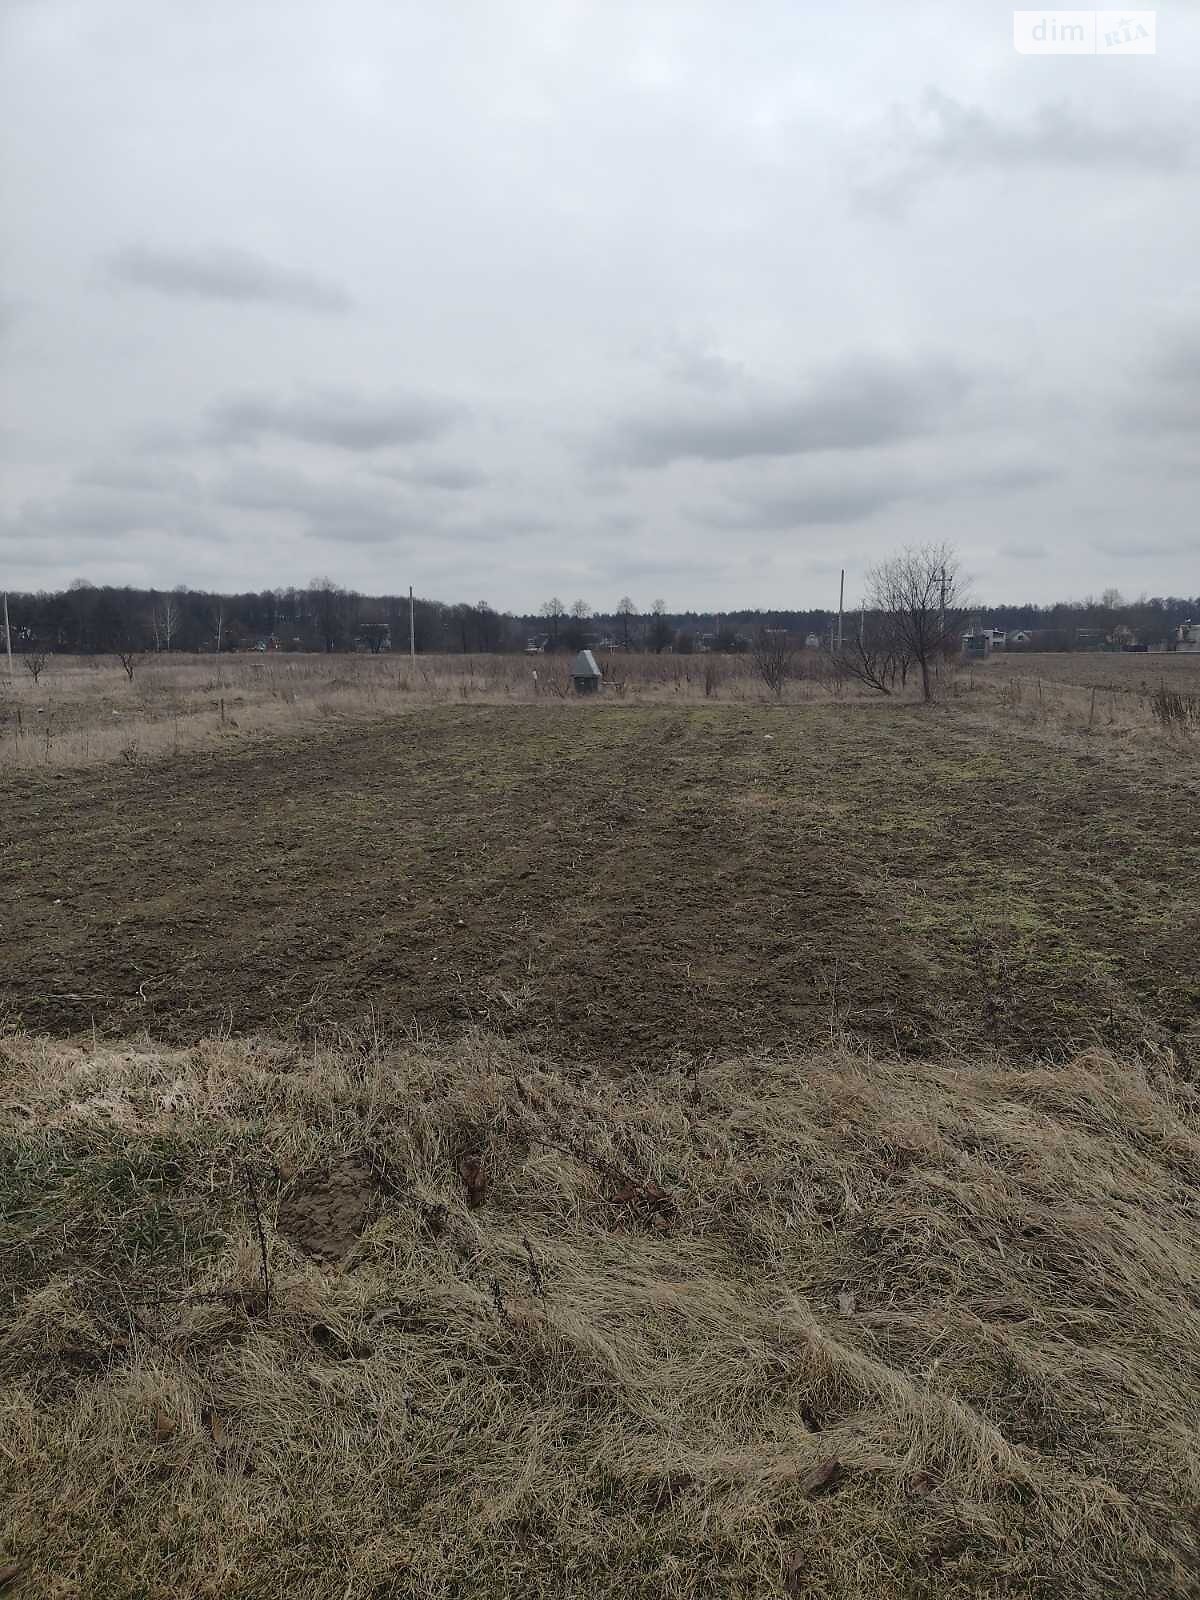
[87, 619]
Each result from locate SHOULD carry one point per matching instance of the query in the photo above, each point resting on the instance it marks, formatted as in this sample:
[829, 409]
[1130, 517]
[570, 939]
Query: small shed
[976, 646]
[586, 673]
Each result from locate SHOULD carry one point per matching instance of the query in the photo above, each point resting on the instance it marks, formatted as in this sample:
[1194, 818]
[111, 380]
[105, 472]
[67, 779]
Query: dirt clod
[325, 1216]
[821, 1477]
[475, 1179]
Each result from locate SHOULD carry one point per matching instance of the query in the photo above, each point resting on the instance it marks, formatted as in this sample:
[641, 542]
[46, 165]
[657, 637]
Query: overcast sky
[512, 298]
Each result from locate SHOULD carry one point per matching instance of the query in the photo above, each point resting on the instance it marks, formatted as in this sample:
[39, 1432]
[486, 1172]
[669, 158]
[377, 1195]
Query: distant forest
[86, 619]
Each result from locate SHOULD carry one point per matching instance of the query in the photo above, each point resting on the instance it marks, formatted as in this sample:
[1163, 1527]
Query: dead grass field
[85, 712]
[699, 1147]
[375, 1322]
[1120, 673]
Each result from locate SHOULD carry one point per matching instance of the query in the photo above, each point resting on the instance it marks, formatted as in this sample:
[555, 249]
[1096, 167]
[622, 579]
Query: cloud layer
[593, 299]
[235, 276]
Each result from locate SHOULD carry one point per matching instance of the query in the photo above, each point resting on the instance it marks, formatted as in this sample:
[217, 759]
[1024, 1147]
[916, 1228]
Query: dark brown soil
[614, 883]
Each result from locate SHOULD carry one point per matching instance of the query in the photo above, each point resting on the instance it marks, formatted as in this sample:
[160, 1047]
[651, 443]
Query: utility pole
[7, 634]
[841, 607]
[412, 627]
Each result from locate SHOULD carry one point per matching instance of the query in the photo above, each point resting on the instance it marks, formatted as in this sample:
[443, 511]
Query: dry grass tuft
[816, 1327]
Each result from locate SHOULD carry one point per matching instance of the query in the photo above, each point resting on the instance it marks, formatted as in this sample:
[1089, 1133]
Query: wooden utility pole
[841, 607]
[412, 627]
[7, 634]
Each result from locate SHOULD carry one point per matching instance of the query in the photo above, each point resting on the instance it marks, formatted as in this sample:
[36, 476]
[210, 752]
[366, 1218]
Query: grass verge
[361, 1321]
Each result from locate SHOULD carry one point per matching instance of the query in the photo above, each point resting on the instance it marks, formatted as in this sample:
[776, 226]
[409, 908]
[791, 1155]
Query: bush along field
[373, 1320]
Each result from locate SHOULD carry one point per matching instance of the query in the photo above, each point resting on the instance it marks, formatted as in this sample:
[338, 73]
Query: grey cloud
[94, 513]
[843, 500]
[348, 510]
[690, 359]
[1006, 478]
[1135, 547]
[501, 525]
[336, 418]
[453, 477]
[1165, 394]
[235, 276]
[863, 403]
[802, 508]
[138, 477]
[945, 136]
[1055, 135]
[1022, 550]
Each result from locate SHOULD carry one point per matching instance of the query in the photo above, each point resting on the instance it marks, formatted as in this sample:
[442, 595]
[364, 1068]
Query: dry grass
[1117, 672]
[84, 711]
[818, 1327]
[1100, 697]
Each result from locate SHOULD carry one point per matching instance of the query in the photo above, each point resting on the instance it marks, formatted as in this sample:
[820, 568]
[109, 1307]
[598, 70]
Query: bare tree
[326, 607]
[164, 621]
[375, 636]
[661, 631]
[625, 610]
[553, 610]
[35, 665]
[129, 658]
[773, 659]
[580, 610]
[219, 619]
[920, 597]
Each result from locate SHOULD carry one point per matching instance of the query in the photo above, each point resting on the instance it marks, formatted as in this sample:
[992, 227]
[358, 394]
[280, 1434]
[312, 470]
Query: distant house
[536, 646]
[997, 638]
[1019, 639]
[977, 646]
[1187, 638]
[812, 641]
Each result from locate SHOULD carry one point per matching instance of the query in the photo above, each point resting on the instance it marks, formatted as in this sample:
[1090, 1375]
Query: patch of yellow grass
[815, 1326]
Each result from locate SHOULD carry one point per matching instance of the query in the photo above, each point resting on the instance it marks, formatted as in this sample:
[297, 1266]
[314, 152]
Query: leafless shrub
[129, 660]
[1174, 710]
[876, 657]
[773, 660]
[35, 664]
